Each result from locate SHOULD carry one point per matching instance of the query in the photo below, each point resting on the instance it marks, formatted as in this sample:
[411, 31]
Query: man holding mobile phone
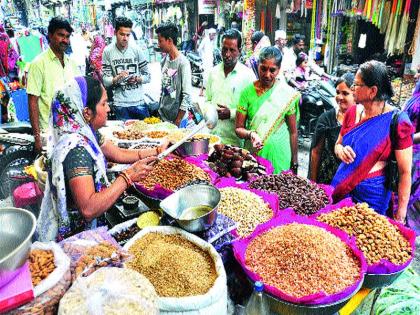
[126, 70]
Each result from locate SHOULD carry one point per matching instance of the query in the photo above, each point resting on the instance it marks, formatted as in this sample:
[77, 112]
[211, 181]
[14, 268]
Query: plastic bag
[111, 291]
[92, 249]
[214, 301]
[50, 290]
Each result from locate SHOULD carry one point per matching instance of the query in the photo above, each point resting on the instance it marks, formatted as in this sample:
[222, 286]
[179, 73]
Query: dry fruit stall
[224, 221]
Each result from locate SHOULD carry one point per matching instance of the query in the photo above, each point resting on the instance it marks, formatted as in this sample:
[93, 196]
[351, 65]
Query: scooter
[16, 152]
[317, 98]
[197, 65]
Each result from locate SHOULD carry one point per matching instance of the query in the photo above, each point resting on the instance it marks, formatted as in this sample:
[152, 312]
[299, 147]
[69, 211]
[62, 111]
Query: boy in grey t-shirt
[176, 77]
[126, 69]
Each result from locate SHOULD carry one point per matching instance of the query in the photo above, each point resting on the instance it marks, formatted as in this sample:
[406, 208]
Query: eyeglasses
[355, 84]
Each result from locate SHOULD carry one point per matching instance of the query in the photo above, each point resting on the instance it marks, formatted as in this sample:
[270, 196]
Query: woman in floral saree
[77, 192]
[267, 115]
[364, 145]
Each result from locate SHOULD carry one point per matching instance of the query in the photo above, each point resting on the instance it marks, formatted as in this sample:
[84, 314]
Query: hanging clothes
[8, 55]
[29, 47]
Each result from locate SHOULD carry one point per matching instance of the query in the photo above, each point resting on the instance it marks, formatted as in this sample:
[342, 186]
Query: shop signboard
[206, 6]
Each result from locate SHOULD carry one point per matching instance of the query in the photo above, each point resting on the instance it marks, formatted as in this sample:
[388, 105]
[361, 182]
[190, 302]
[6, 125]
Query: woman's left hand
[399, 218]
[164, 145]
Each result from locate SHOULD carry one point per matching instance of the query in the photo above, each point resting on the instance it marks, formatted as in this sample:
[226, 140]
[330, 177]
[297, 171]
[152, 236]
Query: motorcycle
[196, 64]
[317, 98]
[16, 152]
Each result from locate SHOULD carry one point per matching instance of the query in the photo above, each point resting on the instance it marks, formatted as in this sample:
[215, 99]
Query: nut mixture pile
[173, 174]
[296, 192]
[41, 264]
[375, 235]
[155, 134]
[128, 134]
[98, 256]
[301, 259]
[175, 266]
[245, 208]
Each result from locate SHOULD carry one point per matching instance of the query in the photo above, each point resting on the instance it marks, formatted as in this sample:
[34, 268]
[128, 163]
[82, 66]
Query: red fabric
[404, 132]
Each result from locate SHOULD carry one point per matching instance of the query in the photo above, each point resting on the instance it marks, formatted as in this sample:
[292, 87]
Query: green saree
[266, 115]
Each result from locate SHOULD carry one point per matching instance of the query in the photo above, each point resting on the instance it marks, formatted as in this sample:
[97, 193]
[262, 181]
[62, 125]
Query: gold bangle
[126, 178]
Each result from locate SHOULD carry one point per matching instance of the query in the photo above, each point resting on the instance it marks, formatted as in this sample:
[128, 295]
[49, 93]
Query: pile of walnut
[375, 235]
[41, 264]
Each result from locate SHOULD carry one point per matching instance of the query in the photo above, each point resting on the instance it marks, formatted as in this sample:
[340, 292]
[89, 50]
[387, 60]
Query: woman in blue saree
[364, 145]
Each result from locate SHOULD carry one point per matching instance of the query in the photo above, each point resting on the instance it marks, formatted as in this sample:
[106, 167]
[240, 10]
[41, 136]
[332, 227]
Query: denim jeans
[131, 112]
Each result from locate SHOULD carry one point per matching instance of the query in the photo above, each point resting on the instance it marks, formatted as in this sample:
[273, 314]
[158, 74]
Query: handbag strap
[393, 131]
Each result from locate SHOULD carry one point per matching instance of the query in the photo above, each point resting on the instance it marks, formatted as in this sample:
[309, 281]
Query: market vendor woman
[78, 193]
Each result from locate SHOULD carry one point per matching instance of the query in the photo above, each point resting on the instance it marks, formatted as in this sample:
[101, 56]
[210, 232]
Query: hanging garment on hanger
[29, 47]
[402, 31]
[385, 17]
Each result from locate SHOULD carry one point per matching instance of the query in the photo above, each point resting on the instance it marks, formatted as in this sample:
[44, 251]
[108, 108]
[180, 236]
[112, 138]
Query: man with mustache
[48, 73]
[225, 84]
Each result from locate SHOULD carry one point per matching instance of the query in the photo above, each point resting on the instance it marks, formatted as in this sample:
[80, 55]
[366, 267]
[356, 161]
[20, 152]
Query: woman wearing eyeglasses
[267, 114]
[364, 145]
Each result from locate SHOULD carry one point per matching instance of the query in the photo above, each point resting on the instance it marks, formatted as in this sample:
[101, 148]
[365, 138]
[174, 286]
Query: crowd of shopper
[352, 146]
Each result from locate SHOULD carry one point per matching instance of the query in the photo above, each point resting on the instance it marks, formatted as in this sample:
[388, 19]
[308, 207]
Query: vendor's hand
[164, 145]
[256, 141]
[223, 112]
[345, 154]
[141, 168]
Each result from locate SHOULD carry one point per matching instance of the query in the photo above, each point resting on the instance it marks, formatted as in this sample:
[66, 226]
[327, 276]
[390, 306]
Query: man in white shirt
[281, 40]
[288, 65]
[225, 84]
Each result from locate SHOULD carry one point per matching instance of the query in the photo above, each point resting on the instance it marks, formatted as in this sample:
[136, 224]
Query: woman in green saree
[267, 115]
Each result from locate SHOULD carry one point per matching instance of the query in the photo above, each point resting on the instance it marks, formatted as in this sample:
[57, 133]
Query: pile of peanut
[245, 208]
[173, 174]
[375, 235]
[41, 264]
[301, 260]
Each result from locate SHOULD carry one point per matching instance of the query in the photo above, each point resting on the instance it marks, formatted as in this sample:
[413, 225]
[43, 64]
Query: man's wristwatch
[294, 167]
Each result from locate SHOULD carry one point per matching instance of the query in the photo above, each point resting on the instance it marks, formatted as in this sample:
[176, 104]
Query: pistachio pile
[375, 235]
[245, 208]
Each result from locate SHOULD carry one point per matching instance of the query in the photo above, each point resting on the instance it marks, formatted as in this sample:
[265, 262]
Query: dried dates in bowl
[229, 161]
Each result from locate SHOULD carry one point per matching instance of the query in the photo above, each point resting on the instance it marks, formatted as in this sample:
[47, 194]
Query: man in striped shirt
[126, 70]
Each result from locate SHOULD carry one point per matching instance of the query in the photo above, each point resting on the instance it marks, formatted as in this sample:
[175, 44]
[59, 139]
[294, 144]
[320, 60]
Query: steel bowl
[374, 281]
[193, 196]
[279, 306]
[194, 147]
[16, 229]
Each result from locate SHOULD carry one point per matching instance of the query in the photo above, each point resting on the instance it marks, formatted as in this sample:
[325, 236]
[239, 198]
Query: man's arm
[34, 117]
[186, 90]
[145, 76]
[33, 89]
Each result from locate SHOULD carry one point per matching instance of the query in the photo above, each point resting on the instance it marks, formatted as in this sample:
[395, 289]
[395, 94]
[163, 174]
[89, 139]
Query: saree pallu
[369, 140]
[269, 123]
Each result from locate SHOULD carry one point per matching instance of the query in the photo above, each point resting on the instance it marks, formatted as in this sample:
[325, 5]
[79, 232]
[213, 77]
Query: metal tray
[279, 306]
[374, 281]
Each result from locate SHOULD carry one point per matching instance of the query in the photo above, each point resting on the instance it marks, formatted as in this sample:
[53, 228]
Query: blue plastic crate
[20, 99]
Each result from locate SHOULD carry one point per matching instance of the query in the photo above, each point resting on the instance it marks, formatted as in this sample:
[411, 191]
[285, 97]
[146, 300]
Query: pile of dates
[228, 161]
